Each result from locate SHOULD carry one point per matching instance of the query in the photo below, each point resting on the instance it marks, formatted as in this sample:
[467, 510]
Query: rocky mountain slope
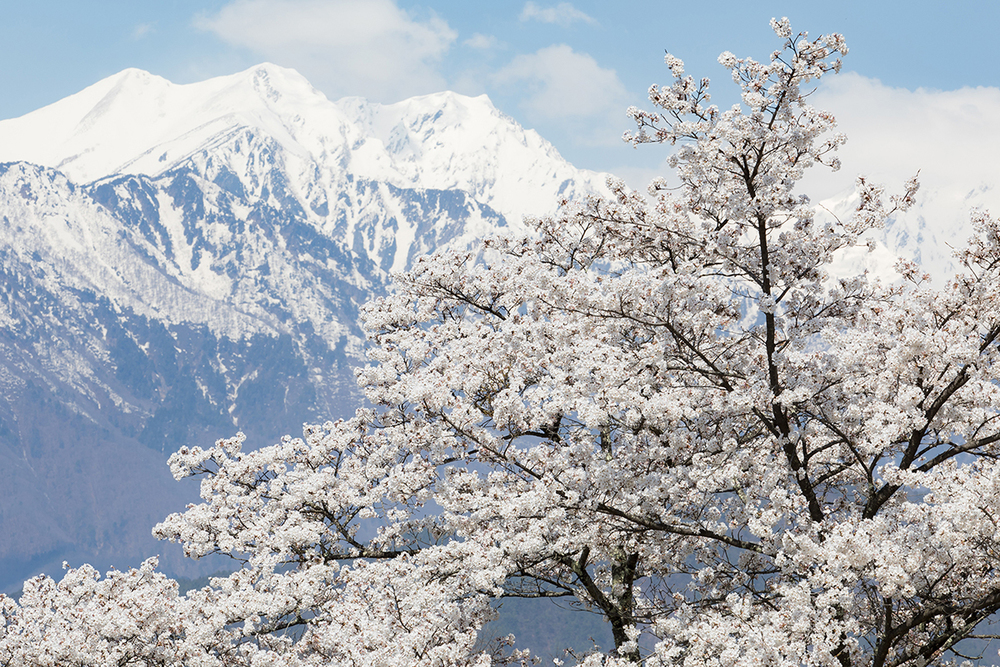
[180, 262]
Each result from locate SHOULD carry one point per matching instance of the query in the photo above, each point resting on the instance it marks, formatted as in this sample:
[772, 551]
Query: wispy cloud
[371, 48]
[141, 30]
[481, 41]
[562, 14]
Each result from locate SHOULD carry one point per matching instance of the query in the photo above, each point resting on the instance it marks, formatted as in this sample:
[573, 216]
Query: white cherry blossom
[663, 407]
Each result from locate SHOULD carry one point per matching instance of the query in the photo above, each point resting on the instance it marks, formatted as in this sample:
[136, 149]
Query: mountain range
[180, 262]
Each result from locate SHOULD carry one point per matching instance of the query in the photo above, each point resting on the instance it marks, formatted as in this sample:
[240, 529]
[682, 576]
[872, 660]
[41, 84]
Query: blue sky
[567, 69]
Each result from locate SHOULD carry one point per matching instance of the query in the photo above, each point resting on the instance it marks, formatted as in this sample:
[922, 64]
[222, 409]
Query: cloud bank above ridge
[370, 48]
[381, 51]
[949, 136]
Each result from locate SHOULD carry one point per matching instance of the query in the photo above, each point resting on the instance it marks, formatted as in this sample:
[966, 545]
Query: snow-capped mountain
[247, 124]
[182, 261]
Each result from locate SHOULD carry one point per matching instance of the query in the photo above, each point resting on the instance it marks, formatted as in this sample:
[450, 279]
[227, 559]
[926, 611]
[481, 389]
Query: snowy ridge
[928, 234]
[83, 248]
[240, 163]
[440, 140]
[138, 123]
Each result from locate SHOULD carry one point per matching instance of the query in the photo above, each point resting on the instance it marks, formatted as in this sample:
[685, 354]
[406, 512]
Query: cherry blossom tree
[664, 408]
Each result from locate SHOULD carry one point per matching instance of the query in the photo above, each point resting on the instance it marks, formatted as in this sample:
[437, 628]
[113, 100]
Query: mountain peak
[273, 82]
[138, 123]
[127, 122]
[136, 75]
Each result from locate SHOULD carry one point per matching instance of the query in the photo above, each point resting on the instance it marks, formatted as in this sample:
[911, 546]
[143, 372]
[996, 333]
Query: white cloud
[951, 137]
[481, 41]
[562, 14]
[141, 30]
[559, 83]
[370, 48]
